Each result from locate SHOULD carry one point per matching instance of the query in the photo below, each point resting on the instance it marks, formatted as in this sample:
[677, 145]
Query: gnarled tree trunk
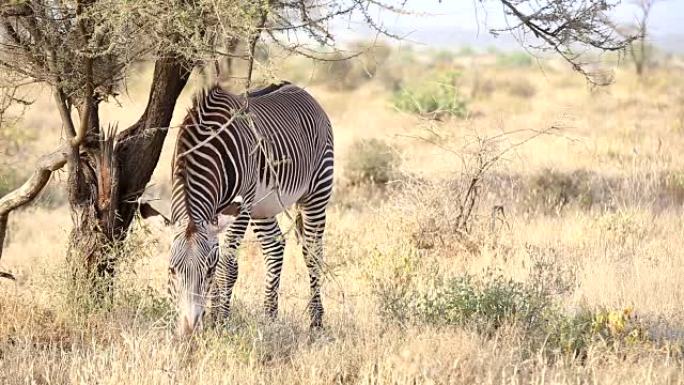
[112, 173]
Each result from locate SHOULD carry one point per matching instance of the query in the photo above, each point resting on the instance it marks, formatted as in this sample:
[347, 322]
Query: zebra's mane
[267, 89]
[199, 99]
[179, 166]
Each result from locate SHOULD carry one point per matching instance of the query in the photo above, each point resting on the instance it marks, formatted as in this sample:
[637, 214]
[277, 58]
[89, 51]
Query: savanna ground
[568, 270]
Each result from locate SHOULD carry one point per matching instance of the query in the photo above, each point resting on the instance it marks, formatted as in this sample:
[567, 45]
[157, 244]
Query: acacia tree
[83, 50]
[638, 47]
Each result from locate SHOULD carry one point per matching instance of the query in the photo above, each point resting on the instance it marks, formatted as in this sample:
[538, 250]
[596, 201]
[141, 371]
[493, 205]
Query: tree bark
[139, 146]
[111, 175]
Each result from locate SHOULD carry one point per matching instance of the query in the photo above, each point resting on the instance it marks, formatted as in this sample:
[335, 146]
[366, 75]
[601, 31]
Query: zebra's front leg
[227, 269]
[273, 246]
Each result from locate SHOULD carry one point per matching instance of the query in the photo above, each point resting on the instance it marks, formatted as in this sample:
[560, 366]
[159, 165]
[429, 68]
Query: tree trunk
[111, 175]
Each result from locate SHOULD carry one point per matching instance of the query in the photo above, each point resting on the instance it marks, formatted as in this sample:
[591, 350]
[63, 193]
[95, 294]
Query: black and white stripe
[227, 170]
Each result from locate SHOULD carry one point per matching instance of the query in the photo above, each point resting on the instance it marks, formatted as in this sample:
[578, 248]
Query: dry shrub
[402, 64]
[673, 187]
[521, 88]
[371, 161]
[446, 213]
[373, 56]
[53, 195]
[127, 293]
[339, 73]
[551, 191]
[624, 228]
[482, 87]
[437, 214]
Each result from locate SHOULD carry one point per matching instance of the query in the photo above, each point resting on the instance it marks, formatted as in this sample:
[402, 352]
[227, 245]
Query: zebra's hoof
[319, 334]
[218, 319]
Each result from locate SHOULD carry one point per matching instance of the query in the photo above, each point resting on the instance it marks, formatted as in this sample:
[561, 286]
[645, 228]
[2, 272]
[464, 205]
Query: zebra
[241, 160]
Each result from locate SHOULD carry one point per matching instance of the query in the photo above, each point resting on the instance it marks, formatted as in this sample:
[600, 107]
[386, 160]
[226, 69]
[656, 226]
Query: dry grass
[621, 146]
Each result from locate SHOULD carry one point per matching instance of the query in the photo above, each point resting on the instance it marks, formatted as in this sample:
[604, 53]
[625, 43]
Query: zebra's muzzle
[190, 319]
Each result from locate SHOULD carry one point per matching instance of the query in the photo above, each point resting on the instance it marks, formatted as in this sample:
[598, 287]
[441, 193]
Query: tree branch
[564, 25]
[12, 9]
[29, 190]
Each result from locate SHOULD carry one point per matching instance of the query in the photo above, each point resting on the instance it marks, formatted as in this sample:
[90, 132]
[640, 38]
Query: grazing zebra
[228, 171]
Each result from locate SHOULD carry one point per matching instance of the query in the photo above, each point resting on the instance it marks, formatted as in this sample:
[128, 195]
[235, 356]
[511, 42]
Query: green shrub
[435, 97]
[487, 303]
[370, 161]
[514, 59]
[467, 51]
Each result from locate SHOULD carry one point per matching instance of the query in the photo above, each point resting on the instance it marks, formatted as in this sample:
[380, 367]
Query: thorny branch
[566, 27]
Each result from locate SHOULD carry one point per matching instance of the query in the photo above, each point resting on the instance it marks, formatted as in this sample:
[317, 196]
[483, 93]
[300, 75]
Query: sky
[457, 23]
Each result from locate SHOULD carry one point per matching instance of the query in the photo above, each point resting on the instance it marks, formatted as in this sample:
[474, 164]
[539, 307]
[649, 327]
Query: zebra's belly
[267, 204]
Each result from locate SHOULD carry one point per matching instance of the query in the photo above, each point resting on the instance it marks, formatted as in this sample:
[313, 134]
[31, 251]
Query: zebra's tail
[299, 227]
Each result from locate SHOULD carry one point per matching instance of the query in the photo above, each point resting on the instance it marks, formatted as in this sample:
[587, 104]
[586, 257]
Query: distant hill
[455, 38]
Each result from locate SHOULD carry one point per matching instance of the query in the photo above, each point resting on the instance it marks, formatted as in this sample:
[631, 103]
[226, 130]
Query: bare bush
[550, 191]
[447, 213]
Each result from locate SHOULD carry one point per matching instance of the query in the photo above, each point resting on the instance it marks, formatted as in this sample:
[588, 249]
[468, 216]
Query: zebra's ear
[147, 211]
[227, 216]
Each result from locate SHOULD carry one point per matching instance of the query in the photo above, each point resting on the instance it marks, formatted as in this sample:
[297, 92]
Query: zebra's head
[193, 261]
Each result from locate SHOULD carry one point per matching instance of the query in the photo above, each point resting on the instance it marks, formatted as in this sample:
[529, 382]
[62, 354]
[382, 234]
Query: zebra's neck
[209, 151]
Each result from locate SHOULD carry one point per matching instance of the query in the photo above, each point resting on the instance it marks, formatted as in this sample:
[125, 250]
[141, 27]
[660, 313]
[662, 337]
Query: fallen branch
[29, 190]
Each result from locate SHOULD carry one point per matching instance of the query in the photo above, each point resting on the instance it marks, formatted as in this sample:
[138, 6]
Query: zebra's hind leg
[313, 226]
[227, 269]
[273, 246]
